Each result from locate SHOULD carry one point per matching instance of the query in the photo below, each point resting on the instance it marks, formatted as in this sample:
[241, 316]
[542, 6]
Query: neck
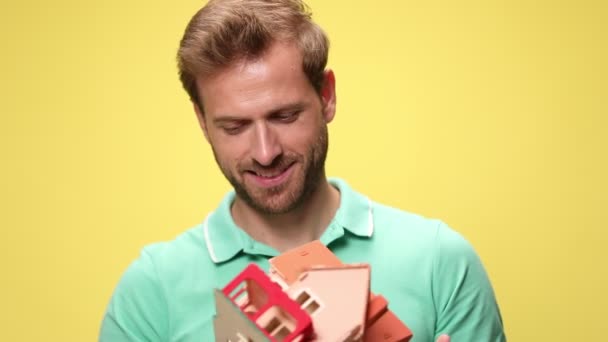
[289, 230]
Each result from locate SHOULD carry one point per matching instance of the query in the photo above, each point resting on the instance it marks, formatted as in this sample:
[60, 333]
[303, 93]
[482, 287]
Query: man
[255, 72]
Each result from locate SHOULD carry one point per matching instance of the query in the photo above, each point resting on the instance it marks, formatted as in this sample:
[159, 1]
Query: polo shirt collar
[355, 213]
[225, 239]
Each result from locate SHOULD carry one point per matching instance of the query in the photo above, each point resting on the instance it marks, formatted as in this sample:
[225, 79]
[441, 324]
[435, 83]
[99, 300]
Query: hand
[443, 338]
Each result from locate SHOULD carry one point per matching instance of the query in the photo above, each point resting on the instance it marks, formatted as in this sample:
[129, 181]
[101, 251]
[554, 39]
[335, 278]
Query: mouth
[270, 178]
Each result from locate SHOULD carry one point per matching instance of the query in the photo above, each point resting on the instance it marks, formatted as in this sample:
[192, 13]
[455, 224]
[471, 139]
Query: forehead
[250, 87]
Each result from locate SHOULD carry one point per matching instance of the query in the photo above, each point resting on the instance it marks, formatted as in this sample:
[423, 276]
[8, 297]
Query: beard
[293, 192]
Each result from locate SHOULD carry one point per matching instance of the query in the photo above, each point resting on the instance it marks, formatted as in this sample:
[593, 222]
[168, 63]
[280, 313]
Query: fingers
[443, 338]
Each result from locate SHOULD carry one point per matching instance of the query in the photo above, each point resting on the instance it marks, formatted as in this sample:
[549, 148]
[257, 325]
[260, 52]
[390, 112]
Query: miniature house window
[309, 304]
[272, 325]
[302, 298]
[250, 296]
[279, 325]
[239, 294]
[281, 333]
[311, 307]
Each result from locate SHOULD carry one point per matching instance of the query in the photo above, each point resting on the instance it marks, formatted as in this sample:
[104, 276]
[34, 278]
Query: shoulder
[185, 245]
[140, 303]
[156, 257]
[396, 232]
[401, 225]
[164, 259]
[420, 237]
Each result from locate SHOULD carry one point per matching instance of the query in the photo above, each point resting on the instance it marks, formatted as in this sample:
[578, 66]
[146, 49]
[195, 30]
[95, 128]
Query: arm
[137, 310]
[464, 299]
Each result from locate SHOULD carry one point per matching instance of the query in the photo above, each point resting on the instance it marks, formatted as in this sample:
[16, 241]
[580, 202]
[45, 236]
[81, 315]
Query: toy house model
[309, 295]
[381, 324]
[253, 308]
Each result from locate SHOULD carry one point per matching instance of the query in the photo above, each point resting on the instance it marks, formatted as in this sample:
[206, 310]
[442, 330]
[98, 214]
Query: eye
[287, 117]
[233, 128]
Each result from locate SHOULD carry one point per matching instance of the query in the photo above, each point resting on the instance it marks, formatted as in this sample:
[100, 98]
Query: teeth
[267, 176]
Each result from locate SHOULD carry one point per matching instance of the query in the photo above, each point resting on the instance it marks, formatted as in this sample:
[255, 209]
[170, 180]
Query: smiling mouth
[270, 173]
[271, 178]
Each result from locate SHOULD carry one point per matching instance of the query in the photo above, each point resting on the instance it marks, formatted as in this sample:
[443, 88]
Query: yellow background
[490, 115]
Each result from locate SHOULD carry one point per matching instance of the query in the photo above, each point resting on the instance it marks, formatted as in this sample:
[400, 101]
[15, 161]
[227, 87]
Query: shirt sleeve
[465, 302]
[137, 311]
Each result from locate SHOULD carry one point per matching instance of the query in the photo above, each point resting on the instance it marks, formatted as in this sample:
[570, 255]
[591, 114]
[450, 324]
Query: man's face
[267, 127]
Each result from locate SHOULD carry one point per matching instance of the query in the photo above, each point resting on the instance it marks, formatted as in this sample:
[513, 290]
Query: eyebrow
[227, 118]
[282, 108]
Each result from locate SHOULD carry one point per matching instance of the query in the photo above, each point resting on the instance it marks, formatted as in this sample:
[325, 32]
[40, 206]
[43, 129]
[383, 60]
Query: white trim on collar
[208, 241]
[370, 219]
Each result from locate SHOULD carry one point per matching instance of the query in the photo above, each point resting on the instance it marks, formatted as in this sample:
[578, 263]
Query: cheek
[301, 137]
[229, 151]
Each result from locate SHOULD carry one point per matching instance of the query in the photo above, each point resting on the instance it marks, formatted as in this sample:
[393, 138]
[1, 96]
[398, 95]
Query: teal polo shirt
[431, 276]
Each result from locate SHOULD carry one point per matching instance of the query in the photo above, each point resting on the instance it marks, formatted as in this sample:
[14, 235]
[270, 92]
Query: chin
[276, 206]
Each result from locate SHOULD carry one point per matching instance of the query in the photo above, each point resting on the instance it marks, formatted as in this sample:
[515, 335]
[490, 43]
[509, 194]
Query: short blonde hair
[224, 31]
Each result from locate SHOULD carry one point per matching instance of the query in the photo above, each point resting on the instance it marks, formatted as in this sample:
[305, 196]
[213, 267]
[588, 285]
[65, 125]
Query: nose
[265, 147]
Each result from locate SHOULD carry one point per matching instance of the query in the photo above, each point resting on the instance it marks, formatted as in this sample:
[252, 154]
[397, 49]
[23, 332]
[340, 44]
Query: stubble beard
[292, 194]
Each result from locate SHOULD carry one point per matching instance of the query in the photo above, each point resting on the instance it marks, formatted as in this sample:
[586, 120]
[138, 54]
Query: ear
[328, 95]
[201, 119]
